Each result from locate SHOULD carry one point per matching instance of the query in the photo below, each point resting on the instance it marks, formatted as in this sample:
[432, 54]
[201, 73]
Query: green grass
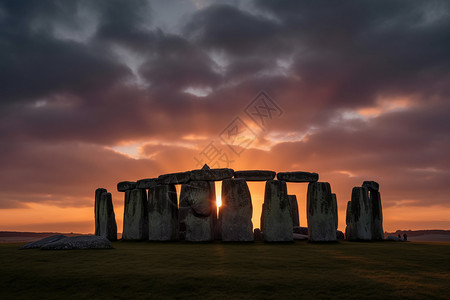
[219, 270]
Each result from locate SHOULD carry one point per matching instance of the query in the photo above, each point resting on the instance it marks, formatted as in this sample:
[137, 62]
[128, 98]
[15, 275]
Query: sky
[97, 92]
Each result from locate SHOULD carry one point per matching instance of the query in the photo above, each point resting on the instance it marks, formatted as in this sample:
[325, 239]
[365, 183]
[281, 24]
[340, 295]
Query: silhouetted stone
[79, 242]
[298, 236]
[255, 175]
[294, 210]
[147, 183]
[257, 235]
[300, 230]
[371, 185]
[394, 239]
[196, 204]
[298, 176]
[207, 174]
[107, 226]
[236, 211]
[43, 242]
[262, 218]
[359, 216]
[175, 178]
[135, 219]
[320, 213]
[340, 235]
[162, 213]
[126, 186]
[335, 210]
[98, 195]
[277, 213]
[377, 215]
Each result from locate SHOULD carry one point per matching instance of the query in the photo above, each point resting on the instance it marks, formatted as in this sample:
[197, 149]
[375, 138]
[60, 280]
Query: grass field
[218, 270]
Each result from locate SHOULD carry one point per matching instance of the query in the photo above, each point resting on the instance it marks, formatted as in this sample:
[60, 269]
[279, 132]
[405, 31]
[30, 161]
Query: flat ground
[219, 270]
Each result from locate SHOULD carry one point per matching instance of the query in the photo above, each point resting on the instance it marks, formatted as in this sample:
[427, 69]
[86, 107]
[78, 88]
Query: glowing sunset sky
[97, 92]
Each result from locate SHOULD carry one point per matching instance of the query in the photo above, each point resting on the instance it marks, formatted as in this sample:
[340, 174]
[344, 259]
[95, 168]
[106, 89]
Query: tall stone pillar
[294, 210]
[105, 219]
[162, 213]
[359, 215]
[135, 217]
[321, 213]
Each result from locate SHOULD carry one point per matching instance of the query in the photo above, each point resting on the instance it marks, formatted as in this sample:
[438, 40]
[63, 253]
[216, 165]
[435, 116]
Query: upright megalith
[359, 216]
[255, 175]
[298, 176]
[377, 212]
[321, 213]
[162, 213]
[196, 211]
[135, 216]
[335, 210]
[294, 210]
[107, 226]
[236, 211]
[98, 195]
[277, 213]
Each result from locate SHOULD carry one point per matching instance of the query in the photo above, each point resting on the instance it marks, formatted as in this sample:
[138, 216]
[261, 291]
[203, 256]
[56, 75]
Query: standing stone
[277, 213]
[135, 217]
[335, 210]
[162, 213]
[98, 195]
[377, 216]
[107, 226]
[196, 212]
[262, 218]
[294, 210]
[321, 213]
[236, 211]
[359, 216]
[255, 175]
[214, 212]
[298, 176]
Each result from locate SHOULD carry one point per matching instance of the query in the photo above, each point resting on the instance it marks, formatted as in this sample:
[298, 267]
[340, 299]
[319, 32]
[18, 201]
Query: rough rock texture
[196, 211]
[255, 175]
[126, 186]
[105, 222]
[298, 176]
[162, 213]
[335, 210]
[359, 216]
[175, 178]
[277, 213]
[79, 242]
[98, 195]
[377, 216]
[147, 183]
[207, 174]
[371, 185]
[320, 213]
[236, 211]
[135, 217]
[43, 242]
[294, 210]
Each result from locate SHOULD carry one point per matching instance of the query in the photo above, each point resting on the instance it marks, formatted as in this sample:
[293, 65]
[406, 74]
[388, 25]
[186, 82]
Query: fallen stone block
[43, 242]
[79, 242]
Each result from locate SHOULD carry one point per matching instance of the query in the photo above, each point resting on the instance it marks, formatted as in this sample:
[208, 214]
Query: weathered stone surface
[106, 222]
[98, 195]
[255, 175]
[377, 215]
[236, 211]
[135, 217]
[147, 183]
[196, 208]
[335, 209]
[43, 242]
[207, 174]
[320, 213]
[394, 239]
[294, 210]
[359, 216]
[126, 186]
[79, 242]
[262, 218]
[162, 213]
[175, 178]
[371, 185]
[277, 213]
[298, 176]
